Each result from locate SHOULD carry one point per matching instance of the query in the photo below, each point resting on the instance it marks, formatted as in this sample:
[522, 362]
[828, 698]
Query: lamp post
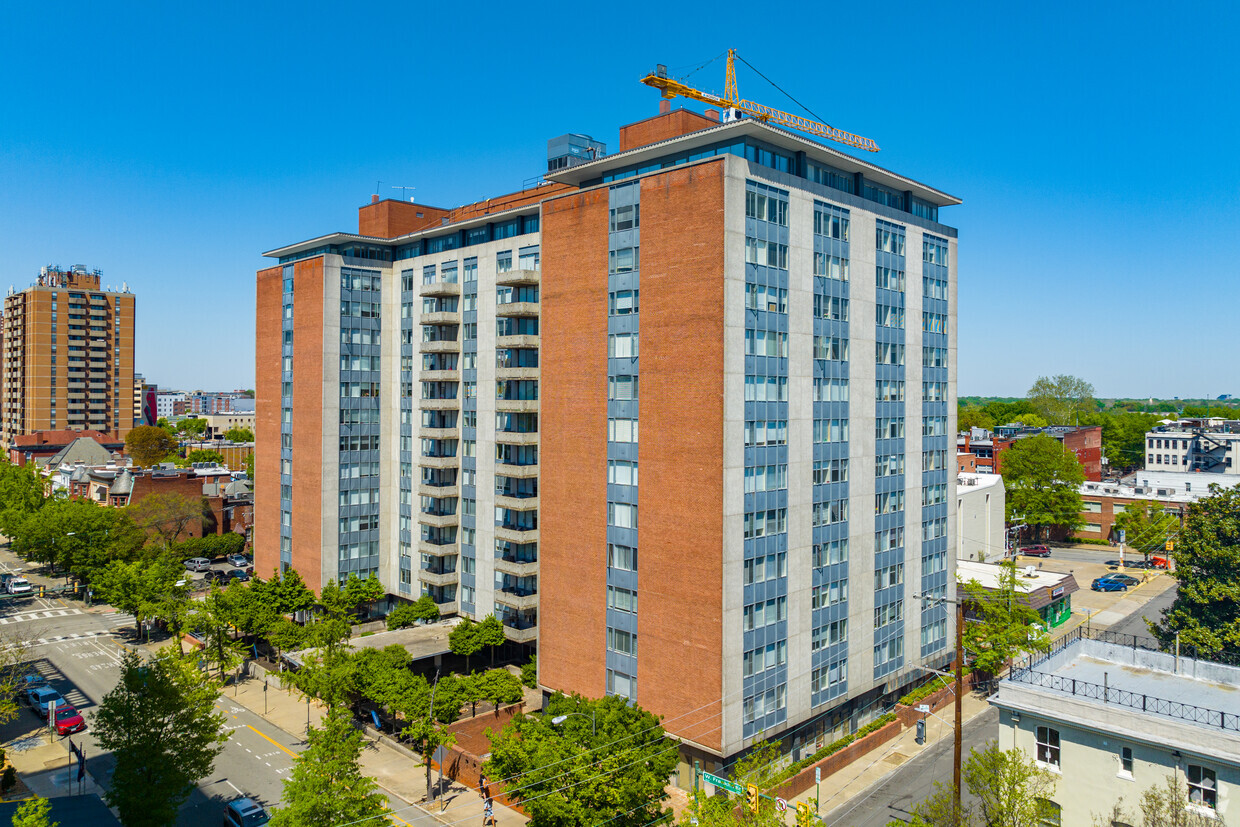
[559, 719]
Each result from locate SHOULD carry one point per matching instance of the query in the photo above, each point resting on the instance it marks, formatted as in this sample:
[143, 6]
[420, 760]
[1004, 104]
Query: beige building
[219, 424]
[980, 503]
[67, 363]
[1110, 720]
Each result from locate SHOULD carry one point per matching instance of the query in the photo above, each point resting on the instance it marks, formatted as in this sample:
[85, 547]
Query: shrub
[1088, 541]
[8, 778]
[929, 688]
[529, 674]
[834, 747]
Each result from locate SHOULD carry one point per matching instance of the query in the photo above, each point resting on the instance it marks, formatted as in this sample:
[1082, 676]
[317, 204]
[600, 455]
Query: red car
[1036, 551]
[68, 720]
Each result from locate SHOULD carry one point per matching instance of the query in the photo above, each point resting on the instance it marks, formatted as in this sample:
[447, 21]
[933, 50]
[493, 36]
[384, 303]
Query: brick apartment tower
[68, 349]
[762, 325]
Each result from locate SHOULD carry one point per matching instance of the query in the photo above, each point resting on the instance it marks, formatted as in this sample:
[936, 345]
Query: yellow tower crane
[732, 100]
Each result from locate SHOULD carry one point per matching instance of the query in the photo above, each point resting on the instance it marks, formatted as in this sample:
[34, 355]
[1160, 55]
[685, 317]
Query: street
[79, 650]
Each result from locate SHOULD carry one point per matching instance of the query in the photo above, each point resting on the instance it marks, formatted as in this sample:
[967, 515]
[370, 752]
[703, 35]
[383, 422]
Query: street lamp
[559, 719]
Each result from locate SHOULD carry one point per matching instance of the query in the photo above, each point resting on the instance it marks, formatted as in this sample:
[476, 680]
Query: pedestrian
[482, 786]
[488, 813]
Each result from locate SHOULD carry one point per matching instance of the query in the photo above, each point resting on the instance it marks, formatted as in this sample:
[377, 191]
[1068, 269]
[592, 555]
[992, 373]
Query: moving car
[1036, 551]
[245, 812]
[39, 697]
[1108, 584]
[69, 720]
[239, 574]
[239, 561]
[198, 564]
[20, 585]
[1126, 579]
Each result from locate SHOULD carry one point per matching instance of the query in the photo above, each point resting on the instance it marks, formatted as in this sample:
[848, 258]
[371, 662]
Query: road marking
[272, 740]
[22, 618]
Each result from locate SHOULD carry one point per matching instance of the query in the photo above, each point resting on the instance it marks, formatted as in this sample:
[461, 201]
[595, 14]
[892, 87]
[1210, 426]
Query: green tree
[327, 787]
[491, 634]
[289, 593]
[628, 748]
[1169, 806]
[239, 435]
[286, 636]
[1146, 526]
[464, 640]
[1061, 400]
[21, 494]
[167, 516]
[362, 591]
[204, 455]
[1031, 420]
[162, 728]
[1005, 627]
[77, 536]
[499, 686]
[34, 812]
[215, 618]
[967, 418]
[193, 427]
[249, 467]
[1206, 611]
[141, 587]
[939, 810]
[148, 445]
[407, 614]
[1042, 480]
[529, 674]
[1010, 789]
[760, 767]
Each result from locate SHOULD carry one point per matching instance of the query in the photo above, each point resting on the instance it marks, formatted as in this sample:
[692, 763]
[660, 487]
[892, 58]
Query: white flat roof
[987, 576]
[966, 479]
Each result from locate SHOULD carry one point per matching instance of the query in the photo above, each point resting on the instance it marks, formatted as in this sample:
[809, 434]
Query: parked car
[1036, 551]
[217, 576]
[19, 585]
[1108, 584]
[239, 561]
[239, 574]
[39, 697]
[245, 812]
[198, 564]
[1126, 579]
[69, 720]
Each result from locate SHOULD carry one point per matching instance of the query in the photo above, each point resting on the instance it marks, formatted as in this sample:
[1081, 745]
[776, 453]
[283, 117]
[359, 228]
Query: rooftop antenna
[377, 183]
[402, 192]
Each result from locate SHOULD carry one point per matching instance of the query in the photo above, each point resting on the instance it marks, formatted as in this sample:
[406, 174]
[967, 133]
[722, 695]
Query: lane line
[269, 738]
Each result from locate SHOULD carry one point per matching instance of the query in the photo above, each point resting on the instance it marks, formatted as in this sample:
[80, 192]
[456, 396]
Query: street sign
[1170, 546]
[723, 783]
[923, 707]
[817, 775]
[781, 805]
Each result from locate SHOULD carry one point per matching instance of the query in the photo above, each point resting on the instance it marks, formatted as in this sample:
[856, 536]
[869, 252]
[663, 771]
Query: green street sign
[724, 783]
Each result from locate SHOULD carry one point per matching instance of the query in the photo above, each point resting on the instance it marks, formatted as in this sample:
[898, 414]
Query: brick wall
[389, 218]
[835, 762]
[308, 393]
[471, 732]
[661, 128]
[573, 445]
[680, 452]
[267, 355]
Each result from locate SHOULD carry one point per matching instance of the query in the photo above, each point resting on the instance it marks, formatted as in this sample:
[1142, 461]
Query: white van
[19, 585]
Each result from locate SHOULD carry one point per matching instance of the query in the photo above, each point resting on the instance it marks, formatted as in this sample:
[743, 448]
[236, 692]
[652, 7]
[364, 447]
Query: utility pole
[959, 690]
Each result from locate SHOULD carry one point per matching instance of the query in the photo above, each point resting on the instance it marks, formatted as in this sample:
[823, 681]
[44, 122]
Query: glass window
[1125, 760]
[1048, 813]
[1048, 745]
[1202, 786]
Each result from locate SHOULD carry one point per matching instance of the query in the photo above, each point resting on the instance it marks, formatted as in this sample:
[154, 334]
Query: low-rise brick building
[987, 447]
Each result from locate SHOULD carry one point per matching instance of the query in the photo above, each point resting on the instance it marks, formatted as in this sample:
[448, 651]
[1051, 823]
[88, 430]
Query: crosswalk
[76, 636]
[44, 615]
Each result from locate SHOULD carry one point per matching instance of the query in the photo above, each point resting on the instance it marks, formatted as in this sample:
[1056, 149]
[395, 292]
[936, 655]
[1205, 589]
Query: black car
[238, 574]
[217, 576]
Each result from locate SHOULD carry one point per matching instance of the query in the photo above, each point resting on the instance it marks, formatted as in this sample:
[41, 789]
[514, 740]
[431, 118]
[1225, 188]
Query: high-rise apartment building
[68, 350]
[760, 327]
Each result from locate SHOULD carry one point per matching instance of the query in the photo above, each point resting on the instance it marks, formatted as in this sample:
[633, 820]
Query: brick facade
[267, 420]
[663, 126]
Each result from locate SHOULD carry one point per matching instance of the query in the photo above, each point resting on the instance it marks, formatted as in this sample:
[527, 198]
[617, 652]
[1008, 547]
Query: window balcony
[517, 503]
[517, 405]
[517, 278]
[438, 549]
[438, 491]
[439, 404]
[517, 309]
[517, 598]
[517, 535]
[432, 578]
[440, 317]
[516, 373]
[438, 520]
[439, 376]
[523, 472]
[438, 433]
[442, 346]
[440, 288]
[516, 438]
[520, 629]
[516, 566]
[520, 340]
[439, 462]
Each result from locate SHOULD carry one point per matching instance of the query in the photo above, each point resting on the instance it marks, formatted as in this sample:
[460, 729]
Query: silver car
[198, 564]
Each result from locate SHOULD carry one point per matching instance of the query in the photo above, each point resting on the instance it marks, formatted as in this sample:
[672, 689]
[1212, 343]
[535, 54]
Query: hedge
[929, 688]
[1088, 541]
[834, 747]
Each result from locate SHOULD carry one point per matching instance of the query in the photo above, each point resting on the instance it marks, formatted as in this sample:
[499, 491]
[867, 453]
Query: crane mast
[732, 100]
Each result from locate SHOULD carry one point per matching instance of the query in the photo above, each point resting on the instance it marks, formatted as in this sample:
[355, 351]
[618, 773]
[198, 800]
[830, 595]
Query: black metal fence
[1027, 673]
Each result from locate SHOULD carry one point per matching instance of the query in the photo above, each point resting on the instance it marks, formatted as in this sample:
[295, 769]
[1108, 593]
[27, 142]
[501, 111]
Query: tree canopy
[204, 455]
[1062, 399]
[21, 494]
[34, 812]
[142, 588]
[239, 435]
[167, 515]
[161, 725]
[1042, 480]
[327, 787]
[464, 640]
[1146, 526]
[1009, 788]
[1004, 626]
[192, 427]
[148, 445]
[559, 764]
[1206, 611]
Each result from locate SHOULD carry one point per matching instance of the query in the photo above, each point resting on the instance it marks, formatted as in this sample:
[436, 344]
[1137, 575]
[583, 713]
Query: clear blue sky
[1095, 146]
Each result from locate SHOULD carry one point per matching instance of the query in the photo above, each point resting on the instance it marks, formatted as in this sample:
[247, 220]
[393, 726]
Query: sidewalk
[397, 771]
[839, 788]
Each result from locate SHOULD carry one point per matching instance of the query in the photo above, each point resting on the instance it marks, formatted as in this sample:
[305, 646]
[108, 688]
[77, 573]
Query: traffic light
[921, 731]
[805, 814]
[751, 796]
[42, 590]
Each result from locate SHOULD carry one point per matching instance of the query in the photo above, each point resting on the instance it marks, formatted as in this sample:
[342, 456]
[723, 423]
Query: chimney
[713, 114]
[665, 106]
[374, 199]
